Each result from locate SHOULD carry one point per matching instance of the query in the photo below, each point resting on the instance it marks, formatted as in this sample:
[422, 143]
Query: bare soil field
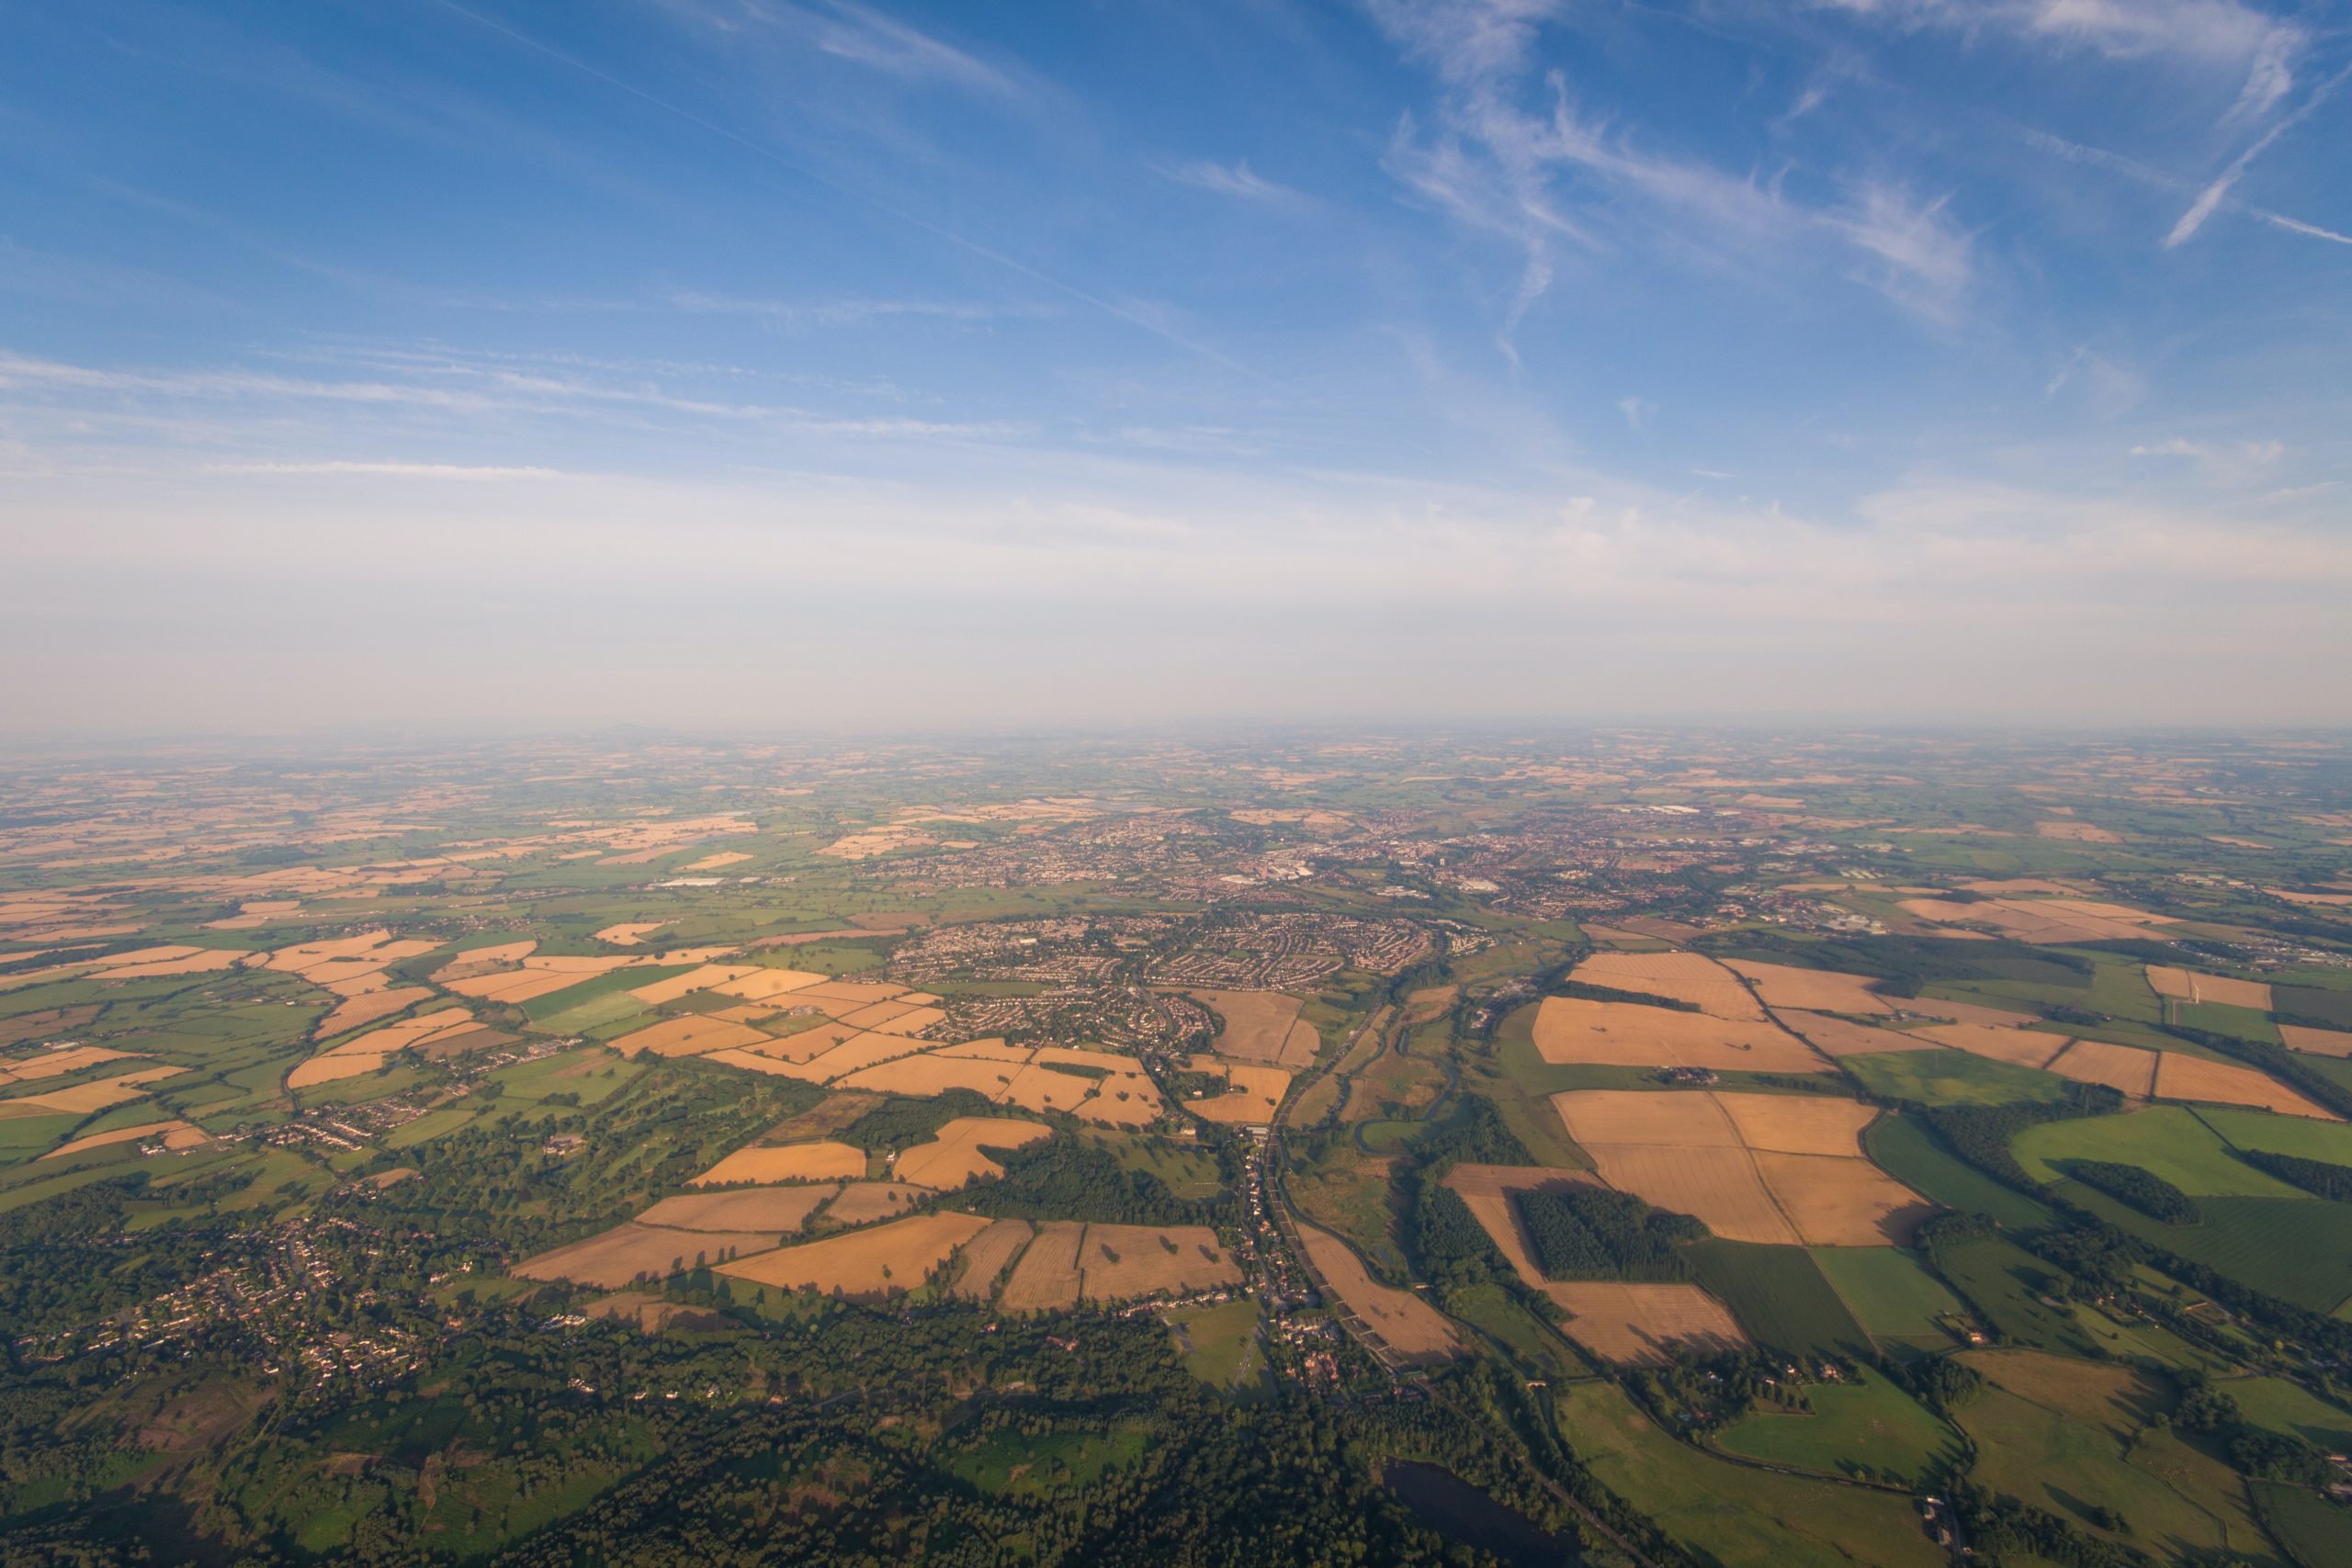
[1416, 1332]
[1811, 990]
[1643, 1326]
[793, 1162]
[1119, 1263]
[952, 1156]
[986, 1256]
[2181, 1076]
[1684, 976]
[780, 1210]
[1571, 1030]
[620, 1256]
[865, 1265]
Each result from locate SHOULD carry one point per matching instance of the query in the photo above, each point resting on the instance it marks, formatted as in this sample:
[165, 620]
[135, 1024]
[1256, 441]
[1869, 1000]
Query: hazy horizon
[747, 365]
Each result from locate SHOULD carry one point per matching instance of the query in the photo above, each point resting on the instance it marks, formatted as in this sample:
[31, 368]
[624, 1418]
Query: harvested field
[2318, 1042]
[1487, 1192]
[792, 1162]
[874, 1015]
[1811, 990]
[914, 1020]
[2019, 1047]
[1571, 1030]
[1643, 1326]
[1261, 1026]
[1046, 1278]
[861, 992]
[630, 1251]
[1724, 1188]
[932, 1073]
[1841, 1037]
[2118, 1066]
[176, 1135]
[630, 933]
[689, 1036]
[859, 1052]
[1423, 1006]
[868, 1264]
[952, 1156]
[713, 862]
[753, 1062]
[1119, 1263]
[779, 1211]
[2188, 986]
[1684, 976]
[1781, 1170]
[986, 1256]
[759, 984]
[101, 1094]
[1798, 1124]
[1842, 1202]
[685, 985]
[864, 1203]
[2076, 832]
[334, 1069]
[1416, 1332]
[370, 1005]
[2043, 920]
[1252, 1094]
[2182, 1077]
[57, 1063]
[1968, 1013]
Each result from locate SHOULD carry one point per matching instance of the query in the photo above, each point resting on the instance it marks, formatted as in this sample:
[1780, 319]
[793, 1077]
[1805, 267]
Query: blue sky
[778, 362]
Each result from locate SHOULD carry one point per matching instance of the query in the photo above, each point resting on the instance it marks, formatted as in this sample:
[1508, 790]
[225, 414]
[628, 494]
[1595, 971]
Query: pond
[1445, 1502]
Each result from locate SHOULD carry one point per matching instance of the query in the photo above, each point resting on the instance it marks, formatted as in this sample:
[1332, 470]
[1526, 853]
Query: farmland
[1117, 1146]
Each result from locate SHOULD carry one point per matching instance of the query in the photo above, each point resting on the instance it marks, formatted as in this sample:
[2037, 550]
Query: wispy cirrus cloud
[2222, 35]
[860, 34]
[1558, 175]
[1238, 180]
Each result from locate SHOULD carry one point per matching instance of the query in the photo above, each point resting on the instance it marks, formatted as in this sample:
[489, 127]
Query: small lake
[1445, 1502]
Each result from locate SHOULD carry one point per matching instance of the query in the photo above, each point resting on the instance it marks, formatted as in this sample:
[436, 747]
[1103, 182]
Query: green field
[1009, 1462]
[1908, 1153]
[592, 1074]
[2067, 1437]
[2297, 1135]
[1736, 1516]
[2297, 1249]
[1534, 1347]
[2166, 1141]
[1889, 1295]
[1868, 1429]
[2004, 1283]
[1951, 1077]
[2316, 1532]
[1780, 1296]
[2289, 1407]
[1221, 1344]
